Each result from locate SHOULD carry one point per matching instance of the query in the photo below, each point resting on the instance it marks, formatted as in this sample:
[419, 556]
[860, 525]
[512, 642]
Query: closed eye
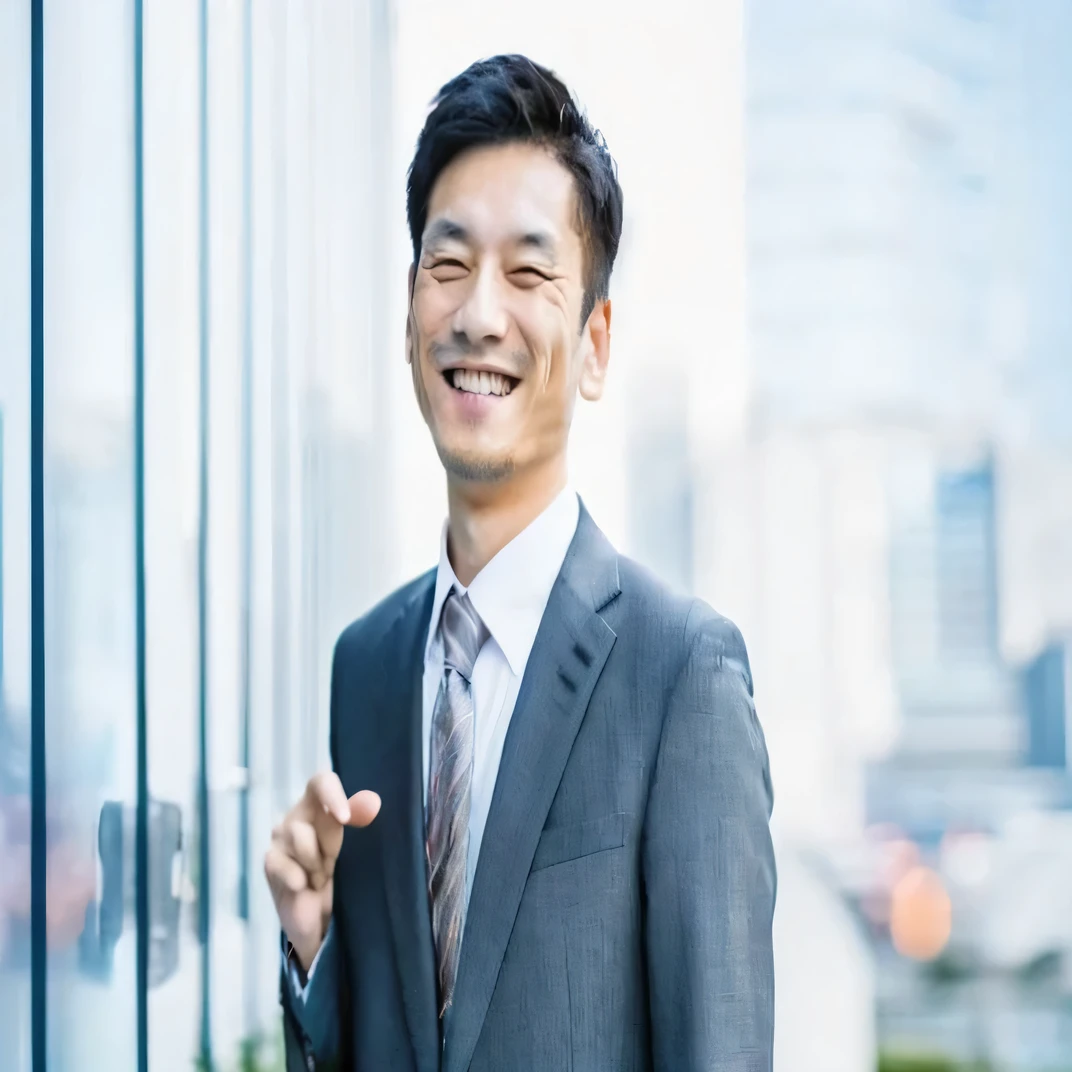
[448, 269]
[530, 276]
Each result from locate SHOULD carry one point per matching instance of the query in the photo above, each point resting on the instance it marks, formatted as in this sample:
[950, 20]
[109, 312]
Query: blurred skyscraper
[884, 308]
[871, 208]
[1034, 316]
[956, 695]
[1035, 158]
[959, 760]
[967, 564]
[868, 210]
[1047, 685]
[892, 532]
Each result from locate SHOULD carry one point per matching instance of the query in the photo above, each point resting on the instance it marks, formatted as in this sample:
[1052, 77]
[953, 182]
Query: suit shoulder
[707, 625]
[380, 618]
[683, 620]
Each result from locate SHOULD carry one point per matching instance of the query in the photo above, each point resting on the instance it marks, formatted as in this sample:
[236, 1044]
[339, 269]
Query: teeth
[480, 383]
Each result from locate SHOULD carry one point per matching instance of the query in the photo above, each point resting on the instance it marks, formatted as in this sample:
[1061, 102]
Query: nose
[481, 317]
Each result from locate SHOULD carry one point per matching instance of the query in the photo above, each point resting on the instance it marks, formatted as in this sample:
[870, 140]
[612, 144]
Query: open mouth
[480, 383]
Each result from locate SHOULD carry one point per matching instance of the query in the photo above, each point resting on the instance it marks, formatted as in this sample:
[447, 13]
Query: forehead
[504, 194]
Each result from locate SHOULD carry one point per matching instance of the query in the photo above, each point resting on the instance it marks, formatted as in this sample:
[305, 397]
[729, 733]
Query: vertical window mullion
[142, 907]
[38, 787]
[204, 813]
[246, 549]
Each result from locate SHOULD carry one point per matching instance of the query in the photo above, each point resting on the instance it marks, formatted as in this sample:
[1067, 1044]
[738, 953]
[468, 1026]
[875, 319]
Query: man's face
[494, 337]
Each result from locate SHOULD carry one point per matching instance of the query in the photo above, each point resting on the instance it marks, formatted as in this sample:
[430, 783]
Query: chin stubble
[476, 470]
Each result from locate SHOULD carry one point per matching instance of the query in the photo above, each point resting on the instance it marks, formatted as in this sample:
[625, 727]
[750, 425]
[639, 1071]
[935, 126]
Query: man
[544, 844]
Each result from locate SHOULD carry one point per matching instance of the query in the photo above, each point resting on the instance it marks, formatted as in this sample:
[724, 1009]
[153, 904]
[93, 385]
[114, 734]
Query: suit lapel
[402, 833]
[571, 646]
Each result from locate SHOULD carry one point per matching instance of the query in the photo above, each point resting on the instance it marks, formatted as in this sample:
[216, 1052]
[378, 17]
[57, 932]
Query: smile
[472, 382]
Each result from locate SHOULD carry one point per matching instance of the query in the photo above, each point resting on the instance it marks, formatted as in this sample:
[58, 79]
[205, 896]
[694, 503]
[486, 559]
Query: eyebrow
[447, 230]
[444, 230]
[540, 242]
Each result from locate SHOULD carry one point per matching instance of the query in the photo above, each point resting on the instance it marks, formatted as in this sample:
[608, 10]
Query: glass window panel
[317, 332]
[14, 536]
[89, 534]
[171, 73]
[225, 501]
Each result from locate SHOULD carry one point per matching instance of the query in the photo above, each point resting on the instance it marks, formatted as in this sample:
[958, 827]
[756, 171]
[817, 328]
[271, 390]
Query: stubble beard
[475, 470]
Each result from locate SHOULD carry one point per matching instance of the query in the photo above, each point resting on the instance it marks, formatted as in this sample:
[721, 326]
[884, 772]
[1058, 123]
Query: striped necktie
[450, 781]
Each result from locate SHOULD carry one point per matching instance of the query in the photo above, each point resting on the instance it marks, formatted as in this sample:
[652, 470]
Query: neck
[484, 518]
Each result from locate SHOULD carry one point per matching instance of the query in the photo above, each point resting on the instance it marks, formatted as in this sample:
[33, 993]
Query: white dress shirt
[510, 594]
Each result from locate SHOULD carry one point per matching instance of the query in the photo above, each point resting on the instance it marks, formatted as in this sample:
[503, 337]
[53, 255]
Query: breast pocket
[571, 841]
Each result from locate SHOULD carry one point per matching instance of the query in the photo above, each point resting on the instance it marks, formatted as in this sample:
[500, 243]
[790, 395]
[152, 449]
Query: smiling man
[544, 842]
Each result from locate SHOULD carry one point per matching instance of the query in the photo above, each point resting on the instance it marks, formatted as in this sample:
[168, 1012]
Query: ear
[596, 352]
[409, 314]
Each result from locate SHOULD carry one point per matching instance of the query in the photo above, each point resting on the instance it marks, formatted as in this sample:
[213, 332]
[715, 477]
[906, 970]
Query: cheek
[431, 311]
[552, 346]
[420, 371]
[557, 391]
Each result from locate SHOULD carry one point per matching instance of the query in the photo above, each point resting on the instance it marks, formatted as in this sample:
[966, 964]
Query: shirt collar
[510, 593]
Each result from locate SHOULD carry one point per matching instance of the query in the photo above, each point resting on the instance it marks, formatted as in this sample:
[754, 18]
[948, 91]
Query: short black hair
[509, 99]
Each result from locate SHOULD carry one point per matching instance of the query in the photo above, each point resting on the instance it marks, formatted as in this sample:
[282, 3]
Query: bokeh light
[921, 915]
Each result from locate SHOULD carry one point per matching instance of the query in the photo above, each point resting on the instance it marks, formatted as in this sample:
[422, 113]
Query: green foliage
[254, 1055]
[253, 1058]
[907, 1062]
[1047, 968]
[948, 970]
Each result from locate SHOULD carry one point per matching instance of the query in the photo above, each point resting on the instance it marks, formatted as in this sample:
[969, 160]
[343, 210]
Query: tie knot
[463, 633]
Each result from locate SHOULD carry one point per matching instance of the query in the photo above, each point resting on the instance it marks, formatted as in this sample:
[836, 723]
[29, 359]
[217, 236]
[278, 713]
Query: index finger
[364, 807]
[326, 794]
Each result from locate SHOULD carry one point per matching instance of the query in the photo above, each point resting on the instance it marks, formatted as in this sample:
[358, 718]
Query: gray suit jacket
[620, 917]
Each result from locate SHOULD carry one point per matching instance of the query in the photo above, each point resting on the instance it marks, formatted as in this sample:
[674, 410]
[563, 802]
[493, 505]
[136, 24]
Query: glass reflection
[90, 728]
[14, 537]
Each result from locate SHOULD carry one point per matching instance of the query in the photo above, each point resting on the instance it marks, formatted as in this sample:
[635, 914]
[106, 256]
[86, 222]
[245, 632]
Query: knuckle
[272, 872]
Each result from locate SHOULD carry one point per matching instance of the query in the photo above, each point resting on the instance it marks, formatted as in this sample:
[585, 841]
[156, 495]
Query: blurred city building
[1047, 687]
[909, 390]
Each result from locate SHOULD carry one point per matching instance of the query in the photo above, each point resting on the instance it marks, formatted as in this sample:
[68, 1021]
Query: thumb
[364, 807]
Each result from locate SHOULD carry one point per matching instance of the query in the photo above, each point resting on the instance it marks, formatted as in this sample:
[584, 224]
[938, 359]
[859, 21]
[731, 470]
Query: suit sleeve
[312, 1012]
[708, 863]
[312, 1020]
